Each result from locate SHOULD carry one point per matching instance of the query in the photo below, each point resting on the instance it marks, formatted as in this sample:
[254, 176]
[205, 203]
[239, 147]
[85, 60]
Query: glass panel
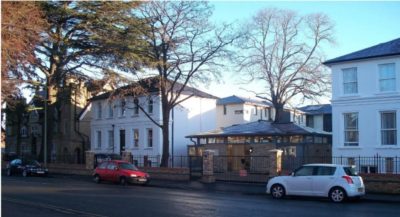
[387, 71]
[388, 120]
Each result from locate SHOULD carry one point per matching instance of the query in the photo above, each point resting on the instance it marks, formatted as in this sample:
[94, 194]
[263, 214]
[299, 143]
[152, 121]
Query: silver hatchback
[337, 182]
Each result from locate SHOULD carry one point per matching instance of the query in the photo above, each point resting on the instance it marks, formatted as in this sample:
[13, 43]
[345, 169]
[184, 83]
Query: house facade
[69, 135]
[316, 116]
[238, 110]
[366, 104]
[119, 125]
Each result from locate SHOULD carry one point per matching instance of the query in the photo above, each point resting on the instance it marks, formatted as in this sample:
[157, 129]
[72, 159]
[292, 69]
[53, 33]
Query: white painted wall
[368, 102]
[230, 118]
[191, 116]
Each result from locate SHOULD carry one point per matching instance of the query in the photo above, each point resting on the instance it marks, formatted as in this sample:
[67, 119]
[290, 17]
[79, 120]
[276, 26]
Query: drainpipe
[172, 137]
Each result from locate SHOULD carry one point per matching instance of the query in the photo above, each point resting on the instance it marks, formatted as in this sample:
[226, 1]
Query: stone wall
[382, 183]
[71, 169]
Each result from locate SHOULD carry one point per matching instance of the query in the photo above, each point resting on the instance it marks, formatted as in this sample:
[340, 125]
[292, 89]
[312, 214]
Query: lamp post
[45, 127]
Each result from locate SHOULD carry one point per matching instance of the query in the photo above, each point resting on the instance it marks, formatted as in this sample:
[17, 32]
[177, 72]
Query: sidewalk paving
[250, 189]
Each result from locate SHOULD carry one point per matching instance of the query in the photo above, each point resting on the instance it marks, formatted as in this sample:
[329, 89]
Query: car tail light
[348, 179]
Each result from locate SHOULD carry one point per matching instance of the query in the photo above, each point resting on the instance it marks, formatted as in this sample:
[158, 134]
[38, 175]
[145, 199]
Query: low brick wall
[178, 174]
[382, 183]
[73, 169]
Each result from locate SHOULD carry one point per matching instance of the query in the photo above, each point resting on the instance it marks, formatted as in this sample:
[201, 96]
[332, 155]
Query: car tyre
[278, 191]
[337, 195]
[24, 173]
[96, 179]
[122, 181]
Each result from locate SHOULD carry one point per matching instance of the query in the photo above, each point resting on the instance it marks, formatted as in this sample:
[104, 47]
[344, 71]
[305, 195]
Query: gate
[195, 167]
[242, 168]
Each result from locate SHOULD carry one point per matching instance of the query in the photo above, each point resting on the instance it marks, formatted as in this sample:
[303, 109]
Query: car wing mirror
[292, 174]
[116, 168]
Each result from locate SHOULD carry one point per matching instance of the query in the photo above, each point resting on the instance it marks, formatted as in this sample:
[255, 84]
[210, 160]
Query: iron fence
[375, 164]
[155, 161]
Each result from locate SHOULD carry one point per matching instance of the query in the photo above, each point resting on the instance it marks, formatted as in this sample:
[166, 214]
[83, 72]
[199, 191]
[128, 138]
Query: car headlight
[133, 175]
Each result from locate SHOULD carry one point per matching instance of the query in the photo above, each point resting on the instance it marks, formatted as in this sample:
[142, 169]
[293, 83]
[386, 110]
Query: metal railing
[155, 161]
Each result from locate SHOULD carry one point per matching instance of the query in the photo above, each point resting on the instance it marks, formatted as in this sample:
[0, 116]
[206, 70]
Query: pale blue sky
[357, 25]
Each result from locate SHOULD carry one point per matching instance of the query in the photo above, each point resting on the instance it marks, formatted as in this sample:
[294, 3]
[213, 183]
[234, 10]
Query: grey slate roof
[317, 109]
[389, 48]
[241, 100]
[151, 85]
[260, 128]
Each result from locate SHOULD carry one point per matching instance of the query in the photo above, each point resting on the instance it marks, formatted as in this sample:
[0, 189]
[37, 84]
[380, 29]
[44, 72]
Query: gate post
[275, 162]
[208, 167]
[89, 160]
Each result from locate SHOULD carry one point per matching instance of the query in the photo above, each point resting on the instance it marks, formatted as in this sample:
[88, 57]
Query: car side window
[111, 166]
[103, 165]
[326, 171]
[304, 171]
[16, 162]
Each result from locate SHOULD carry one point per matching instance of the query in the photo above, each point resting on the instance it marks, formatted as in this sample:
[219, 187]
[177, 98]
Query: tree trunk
[279, 113]
[165, 134]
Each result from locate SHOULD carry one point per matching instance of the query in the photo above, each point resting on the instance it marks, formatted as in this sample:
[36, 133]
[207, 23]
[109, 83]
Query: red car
[120, 171]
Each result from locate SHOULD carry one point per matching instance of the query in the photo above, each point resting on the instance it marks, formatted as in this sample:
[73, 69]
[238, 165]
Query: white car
[337, 182]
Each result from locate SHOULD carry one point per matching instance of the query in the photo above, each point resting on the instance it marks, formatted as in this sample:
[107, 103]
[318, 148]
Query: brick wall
[382, 183]
[178, 174]
[73, 169]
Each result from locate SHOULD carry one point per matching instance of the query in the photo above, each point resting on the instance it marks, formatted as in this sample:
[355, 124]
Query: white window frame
[99, 110]
[150, 138]
[98, 139]
[388, 129]
[381, 80]
[110, 110]
[347, 70]
[110, 138]
[345, 130]
[136, 136]
[150, 106]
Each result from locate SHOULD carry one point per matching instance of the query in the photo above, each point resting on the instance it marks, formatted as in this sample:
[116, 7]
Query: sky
[358, 25]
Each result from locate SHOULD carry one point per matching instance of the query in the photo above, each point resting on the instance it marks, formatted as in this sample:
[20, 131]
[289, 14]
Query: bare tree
[282, 50]
[184, 48]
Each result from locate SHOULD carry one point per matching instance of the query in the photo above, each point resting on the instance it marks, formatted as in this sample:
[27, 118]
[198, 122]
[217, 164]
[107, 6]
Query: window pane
[389, 137]
[350, 121]
[388, 120]
[387, 85]
[387, 71]
[350, 75]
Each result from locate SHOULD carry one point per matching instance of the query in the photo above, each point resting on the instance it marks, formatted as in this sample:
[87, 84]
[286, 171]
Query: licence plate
[40, 172]
[360, 189]
[142, 180]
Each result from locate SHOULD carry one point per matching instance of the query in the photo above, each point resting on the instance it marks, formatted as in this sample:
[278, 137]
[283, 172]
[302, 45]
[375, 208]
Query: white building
[238, 110]
[318, 117]
[119, 125]
[366, 105]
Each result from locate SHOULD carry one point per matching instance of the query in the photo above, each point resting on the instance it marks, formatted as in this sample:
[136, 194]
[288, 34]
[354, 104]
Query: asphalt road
[68, 196]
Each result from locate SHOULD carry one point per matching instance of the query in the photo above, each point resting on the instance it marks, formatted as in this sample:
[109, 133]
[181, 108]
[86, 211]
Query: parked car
[26, 168]
[120, 171]
[337, 182]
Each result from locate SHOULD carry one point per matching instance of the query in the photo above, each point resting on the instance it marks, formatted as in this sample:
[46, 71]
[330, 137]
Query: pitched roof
[389, 48]
[241, 100]
[317, 109]
[151, 86]
[260, 128]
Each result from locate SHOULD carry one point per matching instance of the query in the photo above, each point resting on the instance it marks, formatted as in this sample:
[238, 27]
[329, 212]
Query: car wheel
[96, 178]
[24, 173]
[8, 172]
[122, 181]
[277, 191]
[337, 195]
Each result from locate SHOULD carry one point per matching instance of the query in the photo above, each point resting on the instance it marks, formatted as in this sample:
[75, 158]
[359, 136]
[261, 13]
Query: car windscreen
[32, 163]
[350, 171]
[127, 166]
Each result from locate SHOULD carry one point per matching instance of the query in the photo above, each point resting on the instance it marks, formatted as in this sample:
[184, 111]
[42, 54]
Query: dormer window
[150, 106]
